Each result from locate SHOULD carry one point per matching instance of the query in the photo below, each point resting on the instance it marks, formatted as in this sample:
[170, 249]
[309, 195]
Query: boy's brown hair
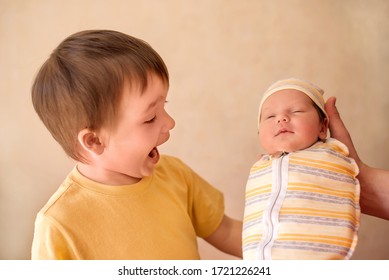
[80, 84]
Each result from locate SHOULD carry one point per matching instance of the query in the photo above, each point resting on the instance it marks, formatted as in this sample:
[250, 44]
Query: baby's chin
[283, 149]
[279, 150]
[286, 149]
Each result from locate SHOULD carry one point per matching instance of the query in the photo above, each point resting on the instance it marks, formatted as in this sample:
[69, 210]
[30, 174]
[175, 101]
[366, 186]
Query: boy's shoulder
[58, 194]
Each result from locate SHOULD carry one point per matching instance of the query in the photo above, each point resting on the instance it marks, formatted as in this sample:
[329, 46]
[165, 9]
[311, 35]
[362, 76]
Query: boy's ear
[90, 141]
[324, 129]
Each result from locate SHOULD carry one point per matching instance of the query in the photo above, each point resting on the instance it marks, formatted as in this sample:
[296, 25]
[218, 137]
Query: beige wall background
[222, 54]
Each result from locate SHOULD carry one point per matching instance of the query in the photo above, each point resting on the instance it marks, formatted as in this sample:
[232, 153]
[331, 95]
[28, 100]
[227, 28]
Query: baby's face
[289, 122]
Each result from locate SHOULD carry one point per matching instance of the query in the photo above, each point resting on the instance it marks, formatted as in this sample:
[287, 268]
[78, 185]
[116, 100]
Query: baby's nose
[283, 118]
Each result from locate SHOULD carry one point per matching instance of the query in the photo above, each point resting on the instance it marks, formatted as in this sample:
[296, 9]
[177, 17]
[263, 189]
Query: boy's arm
[227, 237]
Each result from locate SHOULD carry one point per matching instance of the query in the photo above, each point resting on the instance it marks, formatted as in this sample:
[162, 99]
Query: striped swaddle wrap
[302, 205]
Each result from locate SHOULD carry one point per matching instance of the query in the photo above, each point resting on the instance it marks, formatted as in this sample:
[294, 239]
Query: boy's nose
[170, 123]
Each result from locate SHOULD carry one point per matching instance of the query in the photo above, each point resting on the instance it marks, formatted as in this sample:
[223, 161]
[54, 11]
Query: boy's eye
[151, 120]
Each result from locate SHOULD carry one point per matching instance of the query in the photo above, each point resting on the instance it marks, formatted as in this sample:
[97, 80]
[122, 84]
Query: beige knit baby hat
[313, 92]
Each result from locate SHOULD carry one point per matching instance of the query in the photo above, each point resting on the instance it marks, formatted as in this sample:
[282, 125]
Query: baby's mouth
[282, 131]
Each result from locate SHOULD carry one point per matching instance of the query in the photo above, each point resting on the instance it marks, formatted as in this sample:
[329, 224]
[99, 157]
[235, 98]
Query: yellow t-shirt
[157, 218]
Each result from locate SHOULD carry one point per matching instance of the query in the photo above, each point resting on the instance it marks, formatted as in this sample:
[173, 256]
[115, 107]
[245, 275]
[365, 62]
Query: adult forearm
[374, 191]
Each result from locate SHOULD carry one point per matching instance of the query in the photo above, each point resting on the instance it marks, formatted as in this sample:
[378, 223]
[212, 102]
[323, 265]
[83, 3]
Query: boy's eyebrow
[155, 102]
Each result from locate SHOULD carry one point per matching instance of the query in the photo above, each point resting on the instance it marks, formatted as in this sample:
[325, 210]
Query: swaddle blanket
[302, 205]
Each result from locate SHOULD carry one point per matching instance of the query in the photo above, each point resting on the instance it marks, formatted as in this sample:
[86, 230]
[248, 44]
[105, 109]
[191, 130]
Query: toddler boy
[102, 96]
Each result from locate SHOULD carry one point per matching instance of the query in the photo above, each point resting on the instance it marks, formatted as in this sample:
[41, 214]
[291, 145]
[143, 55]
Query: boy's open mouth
[154, 154]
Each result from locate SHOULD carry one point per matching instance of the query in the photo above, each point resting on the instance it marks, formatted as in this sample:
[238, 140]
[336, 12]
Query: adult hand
[374, 182]
[338, 130]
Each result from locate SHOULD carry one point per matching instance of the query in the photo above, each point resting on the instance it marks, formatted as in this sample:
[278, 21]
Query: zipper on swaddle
[270, 218]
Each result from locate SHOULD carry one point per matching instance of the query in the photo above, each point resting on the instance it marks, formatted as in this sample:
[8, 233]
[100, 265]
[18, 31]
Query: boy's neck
[106, 177]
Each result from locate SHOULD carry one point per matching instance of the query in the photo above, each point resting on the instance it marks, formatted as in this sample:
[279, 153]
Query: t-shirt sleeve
[48, 242]
[206, 204]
